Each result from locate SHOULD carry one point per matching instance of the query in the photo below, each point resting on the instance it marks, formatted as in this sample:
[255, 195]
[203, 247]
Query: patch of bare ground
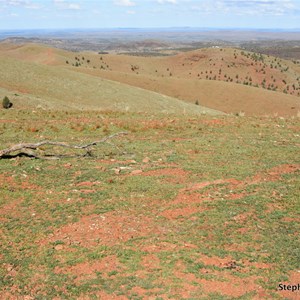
[214, 122]
[199, 186]
[87, 270]
[222, 282]
[10, 209]
[241, 247]
[157, 246]
[230, 286]
[104, 296]
[273, 174]
[8, 121]
[151, 261]
[268, 176]
[24, 184]
[189, 198]
[231, 264]
[173, 175]
[191, 195]
[110, 229]
[88, 183]
[180, 212]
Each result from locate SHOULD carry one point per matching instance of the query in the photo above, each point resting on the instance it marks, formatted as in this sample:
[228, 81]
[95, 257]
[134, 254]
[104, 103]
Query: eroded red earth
[116, 227]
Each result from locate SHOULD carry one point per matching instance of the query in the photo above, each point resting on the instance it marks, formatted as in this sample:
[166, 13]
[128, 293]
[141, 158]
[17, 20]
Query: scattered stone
[146, 160]
[9, 268]
[58, 247]
[136, 172]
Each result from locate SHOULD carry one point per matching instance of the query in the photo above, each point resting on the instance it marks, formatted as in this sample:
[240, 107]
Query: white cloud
[124, 3]
[74, 6]
[64, 4]
[23, 3]
[167, 1]
[245, 7]
[130, 12]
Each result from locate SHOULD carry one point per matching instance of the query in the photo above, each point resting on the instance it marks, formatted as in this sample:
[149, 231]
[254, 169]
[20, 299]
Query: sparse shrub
[197, 102]
[240, 114]
[6, 103]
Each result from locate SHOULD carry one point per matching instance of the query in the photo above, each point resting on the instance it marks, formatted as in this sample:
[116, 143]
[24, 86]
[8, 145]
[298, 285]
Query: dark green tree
[6, 103]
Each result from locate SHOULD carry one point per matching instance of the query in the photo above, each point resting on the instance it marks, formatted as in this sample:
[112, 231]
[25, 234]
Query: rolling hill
[55, 87]
[228, 80]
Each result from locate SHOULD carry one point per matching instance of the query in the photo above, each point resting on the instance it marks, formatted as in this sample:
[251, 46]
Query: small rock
[58, 247]
[132, 161]
[9, 268]
[146, 160]
[136, 172]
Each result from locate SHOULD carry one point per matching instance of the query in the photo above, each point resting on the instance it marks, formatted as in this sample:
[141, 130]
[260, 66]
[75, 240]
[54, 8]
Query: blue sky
[55, 14]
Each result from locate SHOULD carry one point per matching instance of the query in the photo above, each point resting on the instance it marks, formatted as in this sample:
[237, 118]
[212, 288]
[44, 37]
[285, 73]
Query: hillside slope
[60, 88]
[224, 96]
[229, 80]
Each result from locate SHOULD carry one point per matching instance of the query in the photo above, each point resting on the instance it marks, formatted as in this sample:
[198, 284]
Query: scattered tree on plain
[6, 103]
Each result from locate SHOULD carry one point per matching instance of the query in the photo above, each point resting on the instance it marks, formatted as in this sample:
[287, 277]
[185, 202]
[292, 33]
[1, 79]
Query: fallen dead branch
[25, 149]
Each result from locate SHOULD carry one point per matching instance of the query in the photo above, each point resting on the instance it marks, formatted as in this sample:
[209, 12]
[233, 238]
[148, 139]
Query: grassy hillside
[229, 80]
[60, 88]
[227, 97]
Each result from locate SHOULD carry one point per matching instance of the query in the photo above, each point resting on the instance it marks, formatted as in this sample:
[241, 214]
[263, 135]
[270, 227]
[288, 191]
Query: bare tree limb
[34, 146]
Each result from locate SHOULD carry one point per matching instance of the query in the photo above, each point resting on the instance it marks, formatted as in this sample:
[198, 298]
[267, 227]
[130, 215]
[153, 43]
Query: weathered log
[34, 146]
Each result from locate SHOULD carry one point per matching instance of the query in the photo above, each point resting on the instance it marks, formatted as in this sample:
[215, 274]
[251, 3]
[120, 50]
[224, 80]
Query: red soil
[89, 269]
[110, 229]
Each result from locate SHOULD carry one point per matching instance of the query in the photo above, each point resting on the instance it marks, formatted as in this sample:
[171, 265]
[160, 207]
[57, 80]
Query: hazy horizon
[107, 14]
[279, 29]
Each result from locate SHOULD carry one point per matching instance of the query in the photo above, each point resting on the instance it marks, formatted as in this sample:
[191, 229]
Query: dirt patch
[173, 175]
[180, 212]
[223, 282]
[273, 174]
[157, 247]
[88, 183]
[231, 287]
[11, 182]
[215, 261]
[151, 261]
[214, 122]
[201, 185]
[88, 269]
[111, 228]
[189, 198]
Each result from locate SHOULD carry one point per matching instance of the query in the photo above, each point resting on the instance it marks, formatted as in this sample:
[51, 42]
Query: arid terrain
[222, 79]
[199, 200]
